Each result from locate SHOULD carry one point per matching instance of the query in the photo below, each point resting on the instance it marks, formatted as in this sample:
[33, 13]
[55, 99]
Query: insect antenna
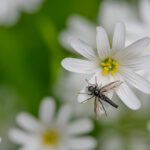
[83, 93]
[96, 81]
[88, 82]
[103, 107]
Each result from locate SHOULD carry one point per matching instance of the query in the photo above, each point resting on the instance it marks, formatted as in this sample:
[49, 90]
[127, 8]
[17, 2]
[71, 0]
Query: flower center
[109, 65]
[49, 138]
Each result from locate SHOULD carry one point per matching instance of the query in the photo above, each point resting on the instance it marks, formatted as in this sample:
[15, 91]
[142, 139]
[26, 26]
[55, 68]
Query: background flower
[10, 9]
[50, 133]
[82, 28]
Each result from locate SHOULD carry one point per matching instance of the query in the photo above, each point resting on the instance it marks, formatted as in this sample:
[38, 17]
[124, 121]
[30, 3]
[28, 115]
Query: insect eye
[90, 88]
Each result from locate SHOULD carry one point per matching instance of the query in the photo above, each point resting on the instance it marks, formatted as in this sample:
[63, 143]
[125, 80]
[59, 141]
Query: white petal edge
[82, 48]
[119, 37]
[79, 65]
[128, 97]
[64, 115]
[47, 110]
[81, 126]
[28, 122]
[103, 46]
[81, 143]
[136, 48]
[137, 81]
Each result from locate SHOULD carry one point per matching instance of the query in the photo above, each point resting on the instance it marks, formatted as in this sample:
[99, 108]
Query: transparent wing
[97, 108]
[100, 107]
[111, 86]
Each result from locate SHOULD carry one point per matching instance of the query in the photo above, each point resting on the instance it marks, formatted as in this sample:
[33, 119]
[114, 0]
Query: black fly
[99, 93]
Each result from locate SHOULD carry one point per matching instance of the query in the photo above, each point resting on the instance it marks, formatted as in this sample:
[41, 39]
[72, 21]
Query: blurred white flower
[78, 27]
[111, 140]
[50, 132]
[115, 11]
[139, 143]
[138, 27]
[10, 9]
[82, 28]
[112, 61]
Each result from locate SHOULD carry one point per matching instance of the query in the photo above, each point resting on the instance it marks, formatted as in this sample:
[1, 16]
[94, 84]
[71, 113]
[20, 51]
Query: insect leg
[84, 93]
[87, 99]
[103, 107]
[96, 81]
[95, 108]
[88, 82]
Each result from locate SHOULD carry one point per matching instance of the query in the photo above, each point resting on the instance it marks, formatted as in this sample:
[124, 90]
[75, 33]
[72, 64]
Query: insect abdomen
[106, 99]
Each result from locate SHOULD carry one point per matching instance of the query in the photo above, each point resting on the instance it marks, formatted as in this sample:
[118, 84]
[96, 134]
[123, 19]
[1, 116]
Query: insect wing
[111, 86]
[97, 108]
[100, 107]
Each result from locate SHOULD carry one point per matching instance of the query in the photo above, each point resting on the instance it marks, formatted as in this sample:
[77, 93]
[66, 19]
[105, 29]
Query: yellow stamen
[105, 72]
[49, 138]
[106, 69]
[103, 64]
[109, 60]
[109, 65]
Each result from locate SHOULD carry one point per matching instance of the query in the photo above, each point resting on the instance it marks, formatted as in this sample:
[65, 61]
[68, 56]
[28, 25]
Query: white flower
[82, 28]
[122, 11]
[139, 27]
[112, 62]
[112, 140]
[50, 133]
[10, 9]
[78, 27]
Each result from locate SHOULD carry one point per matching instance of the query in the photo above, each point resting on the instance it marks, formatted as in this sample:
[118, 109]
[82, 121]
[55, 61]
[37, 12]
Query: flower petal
[28, 122]
[145, 10]
[83, 49]
[18, 136]
[139, 63]
[64, 115]
[79, 65]
[128, 97]
[136, 48]
[102, 41]
[119, 37]
[137, 81]
[81, 126]
[47, 109]
[81, 143]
